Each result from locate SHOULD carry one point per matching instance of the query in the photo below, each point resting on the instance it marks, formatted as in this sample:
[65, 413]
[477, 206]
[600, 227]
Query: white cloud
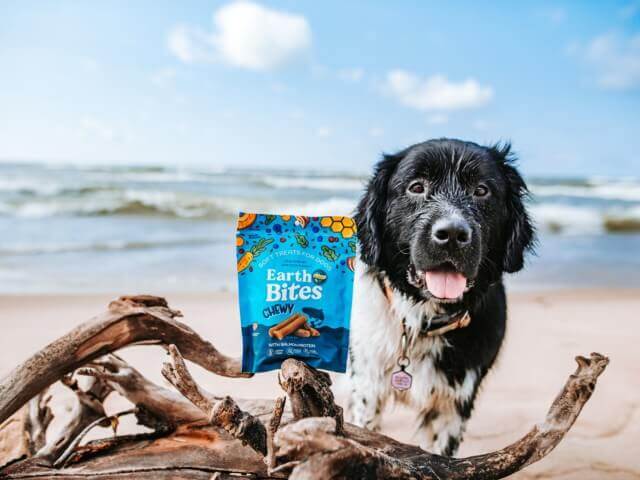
[190, 45]
[615, 60]
[352, 75]
[436, 92]
[259, 38]
[245, 35]
[437, 119]
[323, 132]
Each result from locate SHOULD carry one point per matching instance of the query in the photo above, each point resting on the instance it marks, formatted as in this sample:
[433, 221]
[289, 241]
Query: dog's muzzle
[445, 258]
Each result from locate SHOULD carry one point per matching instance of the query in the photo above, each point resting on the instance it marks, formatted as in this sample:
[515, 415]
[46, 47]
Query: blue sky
[323, 85]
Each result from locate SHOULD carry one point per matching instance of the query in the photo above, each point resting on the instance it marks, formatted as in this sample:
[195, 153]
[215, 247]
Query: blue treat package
[295, 282]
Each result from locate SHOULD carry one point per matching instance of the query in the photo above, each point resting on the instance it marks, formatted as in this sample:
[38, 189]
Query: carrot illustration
[256, 250]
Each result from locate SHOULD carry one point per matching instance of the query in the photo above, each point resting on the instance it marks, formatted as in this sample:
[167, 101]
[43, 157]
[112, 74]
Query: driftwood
[128, 321]
[224, 413]
[196, 434]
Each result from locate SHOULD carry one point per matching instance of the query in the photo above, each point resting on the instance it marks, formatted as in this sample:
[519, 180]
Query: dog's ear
[519, 233]
[371, 210]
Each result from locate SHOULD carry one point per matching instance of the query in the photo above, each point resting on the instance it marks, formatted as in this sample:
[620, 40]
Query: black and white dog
[439, 224]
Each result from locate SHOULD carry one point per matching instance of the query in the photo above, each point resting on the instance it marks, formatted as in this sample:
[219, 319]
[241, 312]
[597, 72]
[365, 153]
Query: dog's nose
[454, 232]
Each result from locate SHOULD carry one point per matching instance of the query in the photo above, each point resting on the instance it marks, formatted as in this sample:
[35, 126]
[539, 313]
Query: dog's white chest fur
[376, 334]
[376, 337]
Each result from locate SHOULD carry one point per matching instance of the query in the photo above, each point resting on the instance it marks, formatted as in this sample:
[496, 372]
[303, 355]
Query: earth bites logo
[298, 285]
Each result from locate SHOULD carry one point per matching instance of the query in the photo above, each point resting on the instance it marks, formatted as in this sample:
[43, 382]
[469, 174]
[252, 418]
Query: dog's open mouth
[443, 282]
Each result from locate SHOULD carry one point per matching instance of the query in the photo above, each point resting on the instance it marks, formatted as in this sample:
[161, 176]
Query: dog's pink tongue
[448, 285]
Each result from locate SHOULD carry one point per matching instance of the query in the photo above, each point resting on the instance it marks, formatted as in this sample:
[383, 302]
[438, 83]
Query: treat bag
[295, 283]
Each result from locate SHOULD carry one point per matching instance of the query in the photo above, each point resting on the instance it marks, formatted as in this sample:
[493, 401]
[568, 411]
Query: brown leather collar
[438, 324]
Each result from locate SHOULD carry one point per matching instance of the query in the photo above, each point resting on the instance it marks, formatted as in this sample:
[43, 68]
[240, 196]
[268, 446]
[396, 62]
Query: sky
[319, 85]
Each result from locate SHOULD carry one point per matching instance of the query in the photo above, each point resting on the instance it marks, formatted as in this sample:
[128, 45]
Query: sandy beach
[545, 332]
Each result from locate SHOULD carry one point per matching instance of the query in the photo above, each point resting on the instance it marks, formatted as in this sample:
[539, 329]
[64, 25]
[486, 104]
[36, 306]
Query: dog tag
[401, 380]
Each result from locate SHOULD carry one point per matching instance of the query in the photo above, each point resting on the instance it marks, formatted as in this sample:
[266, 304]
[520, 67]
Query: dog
[438, 225]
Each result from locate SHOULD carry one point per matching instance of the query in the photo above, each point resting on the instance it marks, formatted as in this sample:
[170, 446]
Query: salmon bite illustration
[295, 282]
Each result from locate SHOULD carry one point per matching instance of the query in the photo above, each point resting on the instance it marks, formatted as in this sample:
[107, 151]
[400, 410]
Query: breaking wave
[38, 191]
[106, 246]
[555, 218]
[624, 191]
[167, 205]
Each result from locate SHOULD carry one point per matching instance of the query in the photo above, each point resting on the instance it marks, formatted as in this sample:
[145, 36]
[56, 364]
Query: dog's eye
[481, 191]
[416, 188]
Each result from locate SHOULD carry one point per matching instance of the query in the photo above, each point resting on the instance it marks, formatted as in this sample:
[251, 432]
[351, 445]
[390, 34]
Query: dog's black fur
[395, 232]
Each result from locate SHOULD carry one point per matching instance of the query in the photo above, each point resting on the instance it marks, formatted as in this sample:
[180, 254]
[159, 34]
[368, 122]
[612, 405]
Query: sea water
[69, 228]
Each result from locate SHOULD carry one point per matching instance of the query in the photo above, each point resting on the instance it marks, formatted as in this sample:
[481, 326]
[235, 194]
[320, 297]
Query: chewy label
[295, 283]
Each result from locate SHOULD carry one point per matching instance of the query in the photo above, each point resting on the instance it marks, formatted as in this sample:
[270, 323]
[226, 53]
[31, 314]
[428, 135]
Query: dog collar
[436, 325]
[402, 380]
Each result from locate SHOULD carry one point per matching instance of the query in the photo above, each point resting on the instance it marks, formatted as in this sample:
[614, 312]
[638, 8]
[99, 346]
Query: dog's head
[444, 217]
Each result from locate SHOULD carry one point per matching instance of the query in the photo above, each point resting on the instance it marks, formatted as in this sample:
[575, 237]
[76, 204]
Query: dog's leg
[441, 429]
[367, 396]
[442, 424]
[365, 405]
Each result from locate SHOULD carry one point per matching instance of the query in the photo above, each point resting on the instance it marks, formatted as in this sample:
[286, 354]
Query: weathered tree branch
[272, 428]
[311, 448]
[39, 418]
[129, 320]
[87, 409]
[191, 451]
[15, 437]
[164, 405]
[309, 392]
[223, 413]
[544, 437]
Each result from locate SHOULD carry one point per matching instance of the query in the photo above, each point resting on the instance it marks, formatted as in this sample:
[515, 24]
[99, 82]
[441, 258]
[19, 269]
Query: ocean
[154, 229]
